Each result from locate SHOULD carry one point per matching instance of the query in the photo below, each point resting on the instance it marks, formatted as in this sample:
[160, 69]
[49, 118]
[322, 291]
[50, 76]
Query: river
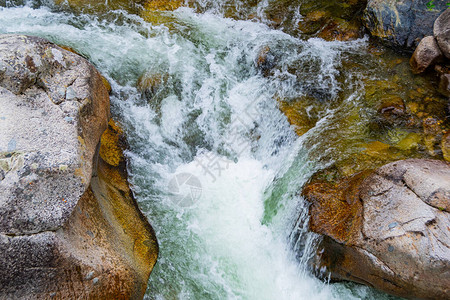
[214, 164]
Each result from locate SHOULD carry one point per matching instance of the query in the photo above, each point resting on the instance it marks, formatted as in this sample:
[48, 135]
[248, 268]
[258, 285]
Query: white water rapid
[215, 165]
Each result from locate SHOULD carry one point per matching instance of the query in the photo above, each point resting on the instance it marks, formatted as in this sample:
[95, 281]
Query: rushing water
[214, 164]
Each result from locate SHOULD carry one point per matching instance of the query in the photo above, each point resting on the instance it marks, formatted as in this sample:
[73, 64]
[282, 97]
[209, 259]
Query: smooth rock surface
[426, 55]
[401, 23]
[396, 237]
[69, 226]
[441, 31]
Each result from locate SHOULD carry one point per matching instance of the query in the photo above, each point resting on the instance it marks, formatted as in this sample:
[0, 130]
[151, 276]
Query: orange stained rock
[296, 115]
[110, 147]
[336, 209]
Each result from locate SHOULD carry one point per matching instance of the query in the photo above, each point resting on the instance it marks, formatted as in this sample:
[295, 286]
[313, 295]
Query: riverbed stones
[402, 23]
[426, 54]
[64, 213]
[394, 222]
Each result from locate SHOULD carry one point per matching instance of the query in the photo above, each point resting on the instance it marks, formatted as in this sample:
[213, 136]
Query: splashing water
[214, 164]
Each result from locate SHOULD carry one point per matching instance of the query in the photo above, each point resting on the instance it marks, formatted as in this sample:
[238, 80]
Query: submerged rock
[69, 227]
[402, 23]
[394, 222]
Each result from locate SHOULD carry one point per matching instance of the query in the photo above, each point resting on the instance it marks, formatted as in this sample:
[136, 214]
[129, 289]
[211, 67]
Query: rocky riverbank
[388, 228]
[69, 226]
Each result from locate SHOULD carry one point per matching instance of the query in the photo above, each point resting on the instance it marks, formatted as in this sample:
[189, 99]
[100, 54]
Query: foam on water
[214, 164]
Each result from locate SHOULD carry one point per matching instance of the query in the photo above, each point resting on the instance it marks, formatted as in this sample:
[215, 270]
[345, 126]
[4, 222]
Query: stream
[214, 164]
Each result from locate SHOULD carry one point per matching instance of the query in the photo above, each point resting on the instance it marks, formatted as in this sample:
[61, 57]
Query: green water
[187, 88]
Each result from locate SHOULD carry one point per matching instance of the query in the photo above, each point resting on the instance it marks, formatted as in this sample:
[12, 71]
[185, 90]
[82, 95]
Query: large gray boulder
[69, 227]
[402, 23]
[54, 111]
[441, 31]
[396, 235]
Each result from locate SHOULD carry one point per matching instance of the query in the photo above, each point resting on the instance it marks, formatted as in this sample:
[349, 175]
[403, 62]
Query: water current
[214, 164]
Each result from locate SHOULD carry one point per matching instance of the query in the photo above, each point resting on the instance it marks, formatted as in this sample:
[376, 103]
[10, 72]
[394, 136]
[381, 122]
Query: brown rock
[394, 232]
[444, 85]
[426, 54]
[341, 30]
[392, 106]
[335, 211]
[441, 31]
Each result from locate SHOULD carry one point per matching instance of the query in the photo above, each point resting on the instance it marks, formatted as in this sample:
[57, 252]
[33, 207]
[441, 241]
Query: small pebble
[392, 225]
[68, 119]
[90, 275]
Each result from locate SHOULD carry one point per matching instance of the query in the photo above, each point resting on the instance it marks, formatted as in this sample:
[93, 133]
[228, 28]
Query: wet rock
[300, 113]
[444, 85]
[101, 6]
[314, 21]
[409, 142]
[441, 31]
[112, 144]
[152, 83]
[266, 61]
[401, 24]
[426, 54]
[392, 107]
[432, 134]
[167, 5]
[393, 221]
[445, 146]
[341, 30]
[64, 213]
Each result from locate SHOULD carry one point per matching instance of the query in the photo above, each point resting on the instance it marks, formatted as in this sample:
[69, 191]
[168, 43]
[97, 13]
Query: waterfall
[214, 163]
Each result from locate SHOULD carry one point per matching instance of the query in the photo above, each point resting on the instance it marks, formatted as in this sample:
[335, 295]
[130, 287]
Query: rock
[391, 107]
[394, 222]
[445, 146]
[401, 23]
[266, 61]
[111, 145]
[99, 6]
[409, 142]
[300, 113]
[432, 133]
[69, 227]
[341, 30]
[52, 120]
[426, 54]
[167, 5]
[441, 31]
[444, 85]
[152, 83]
